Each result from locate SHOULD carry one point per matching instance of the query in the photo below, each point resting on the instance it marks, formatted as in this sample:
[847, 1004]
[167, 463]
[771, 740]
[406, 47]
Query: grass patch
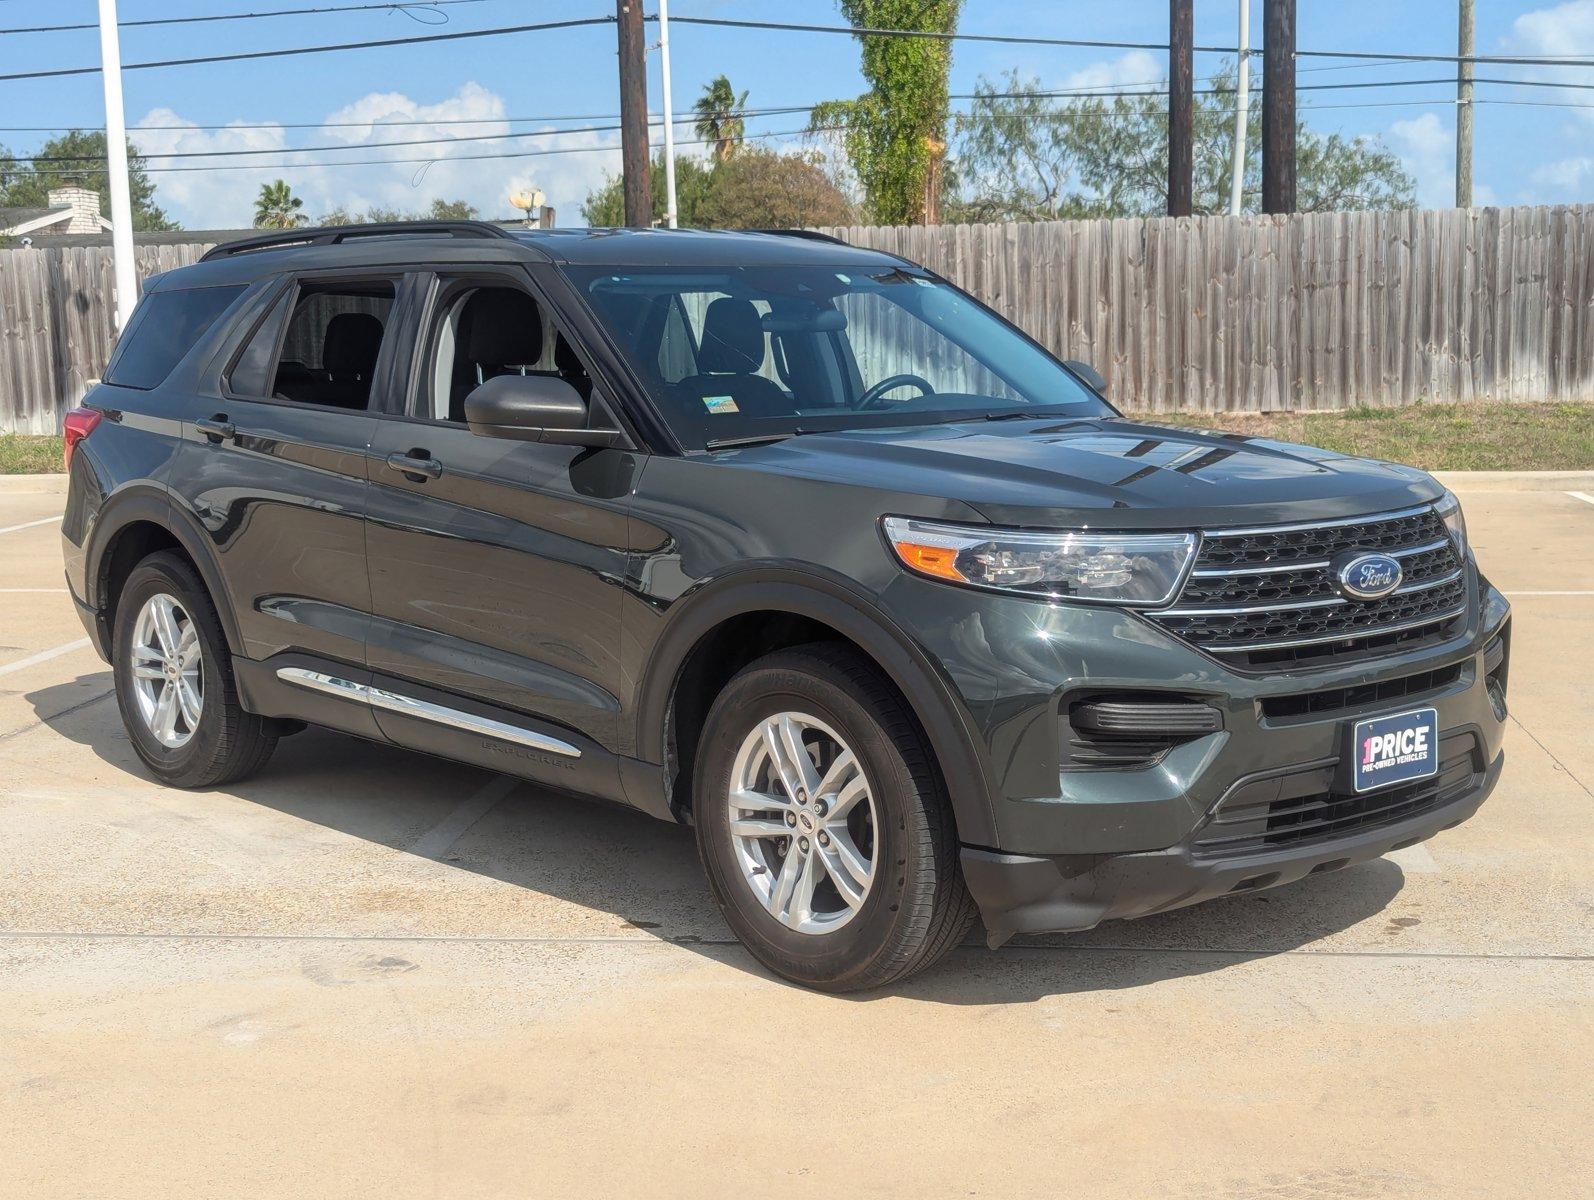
[1435, 437]
[29, 454]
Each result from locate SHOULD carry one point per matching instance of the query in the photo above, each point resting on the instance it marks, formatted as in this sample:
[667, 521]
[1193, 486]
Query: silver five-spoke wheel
[168, 679]
[802, 822]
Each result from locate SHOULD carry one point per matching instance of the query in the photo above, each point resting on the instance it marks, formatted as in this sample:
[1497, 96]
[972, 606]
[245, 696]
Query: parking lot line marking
[1583, 496]
[696, 943]
[437, 840]
[32, 591]
[22, 664]
[29, 524]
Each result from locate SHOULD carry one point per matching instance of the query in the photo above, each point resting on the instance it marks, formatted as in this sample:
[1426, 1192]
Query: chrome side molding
[375, 697]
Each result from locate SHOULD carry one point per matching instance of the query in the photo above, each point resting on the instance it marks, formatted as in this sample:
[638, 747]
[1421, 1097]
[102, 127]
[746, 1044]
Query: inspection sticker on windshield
[720, 404]
[1395, 749]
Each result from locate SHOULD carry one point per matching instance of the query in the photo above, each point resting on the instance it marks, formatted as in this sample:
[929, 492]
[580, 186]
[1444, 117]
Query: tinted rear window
[165, 327]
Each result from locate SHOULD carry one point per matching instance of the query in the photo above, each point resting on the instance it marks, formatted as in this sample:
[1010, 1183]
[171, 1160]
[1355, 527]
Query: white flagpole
[116, 165]
[1242, 109]
[669, 115]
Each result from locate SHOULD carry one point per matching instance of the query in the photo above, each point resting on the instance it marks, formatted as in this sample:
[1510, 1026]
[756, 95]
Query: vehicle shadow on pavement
[581, 863]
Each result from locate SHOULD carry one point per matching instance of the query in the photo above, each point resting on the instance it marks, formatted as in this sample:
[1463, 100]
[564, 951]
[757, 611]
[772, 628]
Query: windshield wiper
[751, 439]
[1029, 414]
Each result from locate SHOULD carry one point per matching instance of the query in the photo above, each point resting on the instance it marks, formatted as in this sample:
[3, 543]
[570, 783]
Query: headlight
[1449, 510]
[1143, 569]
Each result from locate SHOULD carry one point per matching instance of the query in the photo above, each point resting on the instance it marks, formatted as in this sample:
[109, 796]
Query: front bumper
[1071, 847]
[1055, 894]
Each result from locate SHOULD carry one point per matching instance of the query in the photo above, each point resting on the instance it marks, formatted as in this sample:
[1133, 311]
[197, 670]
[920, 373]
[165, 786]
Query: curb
[34, 485]
[1517, 481]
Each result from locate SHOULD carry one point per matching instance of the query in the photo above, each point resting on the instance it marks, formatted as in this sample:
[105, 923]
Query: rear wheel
[174, 680]
[824, 832]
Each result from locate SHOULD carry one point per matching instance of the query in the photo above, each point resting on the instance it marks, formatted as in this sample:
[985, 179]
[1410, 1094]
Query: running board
[409, 706]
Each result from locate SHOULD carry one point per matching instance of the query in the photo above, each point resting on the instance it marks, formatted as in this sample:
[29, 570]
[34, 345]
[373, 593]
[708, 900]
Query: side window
[163, 330]
[329, 350]
[483, 331]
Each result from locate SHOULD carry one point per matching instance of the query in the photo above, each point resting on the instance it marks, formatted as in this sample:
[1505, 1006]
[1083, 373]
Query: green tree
[26, 183]
[278, 208]
[720, 117]
[440, 210]
[895, 133]
[1027, 157]
[760, 189]
[604, 207]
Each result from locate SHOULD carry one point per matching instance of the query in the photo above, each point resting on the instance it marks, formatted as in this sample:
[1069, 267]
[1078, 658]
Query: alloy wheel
[803, 822]
[167, 667]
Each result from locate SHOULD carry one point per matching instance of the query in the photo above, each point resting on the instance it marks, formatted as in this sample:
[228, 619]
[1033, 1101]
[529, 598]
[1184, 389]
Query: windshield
[746, 352]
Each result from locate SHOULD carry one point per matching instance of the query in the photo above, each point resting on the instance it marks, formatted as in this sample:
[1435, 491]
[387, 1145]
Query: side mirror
[533, 408]
[1088, 373]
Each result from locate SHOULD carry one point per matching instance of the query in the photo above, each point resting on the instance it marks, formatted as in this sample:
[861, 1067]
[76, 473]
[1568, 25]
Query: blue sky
[1526, 152]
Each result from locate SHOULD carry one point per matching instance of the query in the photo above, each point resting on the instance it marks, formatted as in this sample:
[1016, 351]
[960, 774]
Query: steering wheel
[873, 396]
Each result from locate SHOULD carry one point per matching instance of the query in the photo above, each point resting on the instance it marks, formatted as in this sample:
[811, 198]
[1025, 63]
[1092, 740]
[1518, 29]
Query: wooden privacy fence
[1319, 310]
[57, 324]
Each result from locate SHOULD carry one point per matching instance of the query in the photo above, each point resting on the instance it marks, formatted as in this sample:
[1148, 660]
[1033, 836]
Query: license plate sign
[1397, 749]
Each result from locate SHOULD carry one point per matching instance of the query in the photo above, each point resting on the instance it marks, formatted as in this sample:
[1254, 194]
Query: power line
[1131, 90]
[1439, 102]
[872, 31]
[498, 31]
[399, 6]
[786, 26]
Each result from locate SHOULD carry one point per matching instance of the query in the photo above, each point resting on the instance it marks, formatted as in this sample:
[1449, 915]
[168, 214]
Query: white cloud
[1427, 148]
[1565, 30]
[1135, 67]
[1566, 175]
[224, 199]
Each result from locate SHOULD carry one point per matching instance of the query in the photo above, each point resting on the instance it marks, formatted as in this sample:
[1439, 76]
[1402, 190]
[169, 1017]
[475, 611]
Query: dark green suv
[792, 541]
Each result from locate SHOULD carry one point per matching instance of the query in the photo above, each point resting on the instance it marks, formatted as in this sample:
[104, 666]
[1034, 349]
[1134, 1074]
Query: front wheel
[822, 826]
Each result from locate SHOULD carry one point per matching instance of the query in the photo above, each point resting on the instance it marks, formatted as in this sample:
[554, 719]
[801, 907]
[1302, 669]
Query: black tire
[227, 743]
[917, 907]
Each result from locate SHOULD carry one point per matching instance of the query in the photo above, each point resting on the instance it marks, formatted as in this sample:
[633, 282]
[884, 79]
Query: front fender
[762, 588]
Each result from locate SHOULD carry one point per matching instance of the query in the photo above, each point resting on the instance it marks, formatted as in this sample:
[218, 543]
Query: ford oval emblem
[1366, 576]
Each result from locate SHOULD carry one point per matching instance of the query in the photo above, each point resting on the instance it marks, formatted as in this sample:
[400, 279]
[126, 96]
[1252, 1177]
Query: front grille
[1303, 807]
[1266, 597]
[1365, 695]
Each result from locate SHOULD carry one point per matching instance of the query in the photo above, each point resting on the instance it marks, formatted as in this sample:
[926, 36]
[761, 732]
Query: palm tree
[277, 207]
[719, 117]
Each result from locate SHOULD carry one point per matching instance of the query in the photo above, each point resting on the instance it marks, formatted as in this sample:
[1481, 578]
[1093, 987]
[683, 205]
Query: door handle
[217, 428]
[416, 466]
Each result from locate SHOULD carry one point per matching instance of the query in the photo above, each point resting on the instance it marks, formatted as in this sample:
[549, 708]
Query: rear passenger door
[496, 565]
[274, 469]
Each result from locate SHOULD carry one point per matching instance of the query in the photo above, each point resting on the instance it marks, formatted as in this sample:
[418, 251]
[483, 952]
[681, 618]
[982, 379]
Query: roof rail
[335, 235]
[812, 235]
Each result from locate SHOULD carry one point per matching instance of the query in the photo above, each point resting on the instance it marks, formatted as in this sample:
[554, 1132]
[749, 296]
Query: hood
[1101, 472]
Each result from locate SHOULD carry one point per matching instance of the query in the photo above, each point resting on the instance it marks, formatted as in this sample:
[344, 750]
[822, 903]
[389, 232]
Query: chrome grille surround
[1265, 596]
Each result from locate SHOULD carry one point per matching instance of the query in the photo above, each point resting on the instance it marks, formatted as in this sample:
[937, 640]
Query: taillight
[80, 422]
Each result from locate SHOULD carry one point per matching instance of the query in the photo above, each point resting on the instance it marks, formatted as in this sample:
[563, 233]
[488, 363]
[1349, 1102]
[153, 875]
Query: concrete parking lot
[370, 973]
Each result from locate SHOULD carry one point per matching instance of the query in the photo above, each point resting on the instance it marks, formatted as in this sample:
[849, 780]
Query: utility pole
[1242, 110]
[1278, 107]
[669, 114]
[116, 165]
[1464, 70]
[637, 187]
[1181, 105]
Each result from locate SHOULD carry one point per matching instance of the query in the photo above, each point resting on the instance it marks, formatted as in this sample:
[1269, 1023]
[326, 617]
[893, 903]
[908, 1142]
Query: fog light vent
[1128, 731]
